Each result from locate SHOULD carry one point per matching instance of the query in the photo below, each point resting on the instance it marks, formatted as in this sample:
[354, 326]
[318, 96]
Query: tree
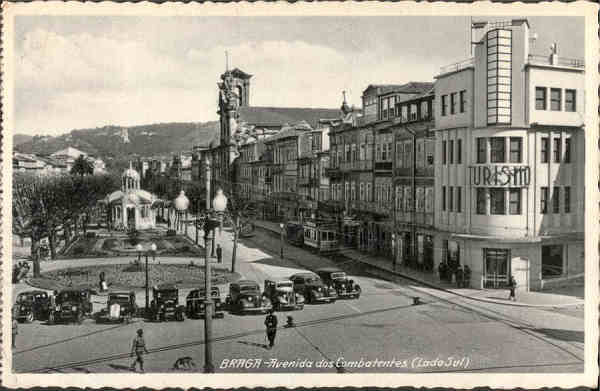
[240, 211]
[82, 166]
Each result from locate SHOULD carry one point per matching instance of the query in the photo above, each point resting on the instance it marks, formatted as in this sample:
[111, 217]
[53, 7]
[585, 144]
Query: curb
[436, 287]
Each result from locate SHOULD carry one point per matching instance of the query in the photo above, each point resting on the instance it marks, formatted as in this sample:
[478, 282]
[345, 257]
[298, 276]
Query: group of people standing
[462, 275]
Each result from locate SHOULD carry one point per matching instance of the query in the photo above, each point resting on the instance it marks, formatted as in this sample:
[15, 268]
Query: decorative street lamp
[394, 250]
[139, 249]
[153, 252]
[281, 226]
[181, 205]
[219, 205]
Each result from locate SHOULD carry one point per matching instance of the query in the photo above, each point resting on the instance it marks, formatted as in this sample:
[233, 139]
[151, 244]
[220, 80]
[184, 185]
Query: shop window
[453, 254]
[481, 204]
[570, 101]
[514, 201]
[552, 261]
[544, 149]
[556, 199]
[497, 201]
[567, 199]
[557, 150]
[497, 147]
[543, 200]
[481, 150]
[516, 148]
[555, 99]
[540, 98]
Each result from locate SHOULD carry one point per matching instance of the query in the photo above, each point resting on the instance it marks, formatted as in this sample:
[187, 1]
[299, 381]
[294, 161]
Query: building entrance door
[496, 267]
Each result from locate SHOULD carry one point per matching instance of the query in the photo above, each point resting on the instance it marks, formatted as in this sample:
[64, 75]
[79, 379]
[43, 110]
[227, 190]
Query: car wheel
[29, 318]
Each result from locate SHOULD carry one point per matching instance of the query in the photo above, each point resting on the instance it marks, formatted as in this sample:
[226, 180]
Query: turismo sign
[517, 176]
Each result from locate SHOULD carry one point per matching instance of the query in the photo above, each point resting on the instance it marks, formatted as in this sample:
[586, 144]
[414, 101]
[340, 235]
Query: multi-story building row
[484, 167]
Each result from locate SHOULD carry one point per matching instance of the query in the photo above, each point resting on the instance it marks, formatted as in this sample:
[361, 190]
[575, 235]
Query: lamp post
[281, 226]
[138, 248]
[153, 252]
[219, 204]
[394, 248]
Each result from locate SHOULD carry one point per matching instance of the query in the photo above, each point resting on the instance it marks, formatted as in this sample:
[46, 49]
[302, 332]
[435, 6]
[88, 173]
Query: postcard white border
[580, 8]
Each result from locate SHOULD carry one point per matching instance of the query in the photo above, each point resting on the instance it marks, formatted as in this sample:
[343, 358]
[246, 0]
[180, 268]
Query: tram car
[322, 237]
[294, 233]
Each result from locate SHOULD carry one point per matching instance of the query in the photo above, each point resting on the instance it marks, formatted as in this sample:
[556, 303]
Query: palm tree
[82, 166]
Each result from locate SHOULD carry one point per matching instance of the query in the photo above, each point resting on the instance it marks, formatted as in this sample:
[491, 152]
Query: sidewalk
[431, 280]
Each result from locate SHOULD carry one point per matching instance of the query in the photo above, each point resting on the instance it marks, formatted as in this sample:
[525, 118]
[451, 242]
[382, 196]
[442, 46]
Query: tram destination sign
[500, 176]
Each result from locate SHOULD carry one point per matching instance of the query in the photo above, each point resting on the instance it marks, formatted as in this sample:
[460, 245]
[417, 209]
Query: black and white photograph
[300, 194]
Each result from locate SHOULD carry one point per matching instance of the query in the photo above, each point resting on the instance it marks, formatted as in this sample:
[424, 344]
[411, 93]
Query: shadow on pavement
[121, 367]
[259, 345]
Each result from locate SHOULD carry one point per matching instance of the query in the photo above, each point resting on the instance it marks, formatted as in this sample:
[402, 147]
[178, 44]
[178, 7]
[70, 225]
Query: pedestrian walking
[459, 276]
[442, 269]
[271, 323]
[512, 285]
[219, 254]
[15, 329]
[467, 280]
[138, 348]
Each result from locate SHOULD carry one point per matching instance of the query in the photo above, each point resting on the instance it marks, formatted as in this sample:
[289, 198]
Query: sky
[76, 72]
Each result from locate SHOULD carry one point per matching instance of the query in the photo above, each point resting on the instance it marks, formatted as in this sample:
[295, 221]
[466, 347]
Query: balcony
[383, 166]
[559, 61]
[372, 207]
[458, 66]
[333, 172]
[357, 165]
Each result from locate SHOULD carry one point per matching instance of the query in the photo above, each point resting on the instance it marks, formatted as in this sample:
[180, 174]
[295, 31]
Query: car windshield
[214, 292]
[337, 275]
[285, 284]
[120, 298]
[167, 294]
[312, 280]
[248, 289]
[25, 298]
[67, 296]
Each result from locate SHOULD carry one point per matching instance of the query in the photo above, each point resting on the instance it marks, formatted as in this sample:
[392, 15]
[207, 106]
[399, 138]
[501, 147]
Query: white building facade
[509, 171]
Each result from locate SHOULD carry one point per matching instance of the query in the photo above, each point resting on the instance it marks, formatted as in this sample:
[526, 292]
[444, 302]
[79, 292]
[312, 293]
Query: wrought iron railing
[457, 66]
[561, 61]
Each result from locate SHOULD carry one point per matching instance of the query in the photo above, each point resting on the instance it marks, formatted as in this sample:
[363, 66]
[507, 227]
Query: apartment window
[368, 196]
[516, 147]
[514, 201]
[544, 151]
[557, 150]
[451, 199]
[413, 112]
[453, 103]
[497, 201]
[459, 151]
[424, 110]
[378, 152]
[451, 151]
[444, 104]
[555, 99]
[443, 198]
[567, 199]
[408, 154]
[404, 113]
[497, 146]
[556, 199]
[543, 200]
[353, 191]
[540, 98]
[567, 150]
[362, 151]
[390, 147]
[399, 154]
[444, 152]
[459, 199]
[463, 96]
[481, 149]
[480, 210]
[570, 103]
[384, 152]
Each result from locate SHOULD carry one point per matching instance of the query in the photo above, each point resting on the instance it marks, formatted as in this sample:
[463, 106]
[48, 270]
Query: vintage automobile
[245, 297]
[312, 288]
[72, 305]
[165, 304]
[120, 307]
[282, 295]
[32, 305]
[194, 303]
[345, 287]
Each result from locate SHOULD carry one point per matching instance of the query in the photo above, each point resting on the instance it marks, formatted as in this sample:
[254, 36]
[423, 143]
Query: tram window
[323, 235]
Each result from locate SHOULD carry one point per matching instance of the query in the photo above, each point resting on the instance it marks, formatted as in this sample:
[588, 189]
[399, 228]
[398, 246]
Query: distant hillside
[21, 138]
[116, 141]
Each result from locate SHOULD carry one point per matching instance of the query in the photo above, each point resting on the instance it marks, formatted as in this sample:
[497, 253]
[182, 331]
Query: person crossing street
[138, 347]
[271, 324]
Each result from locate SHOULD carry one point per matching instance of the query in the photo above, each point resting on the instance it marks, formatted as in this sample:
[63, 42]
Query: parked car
[32, 305]
[120, 307]
[344, 286]
[194, 303]
[312, 288]
[282, 295]
[72, 305]
[245, 296]
[165, 304]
